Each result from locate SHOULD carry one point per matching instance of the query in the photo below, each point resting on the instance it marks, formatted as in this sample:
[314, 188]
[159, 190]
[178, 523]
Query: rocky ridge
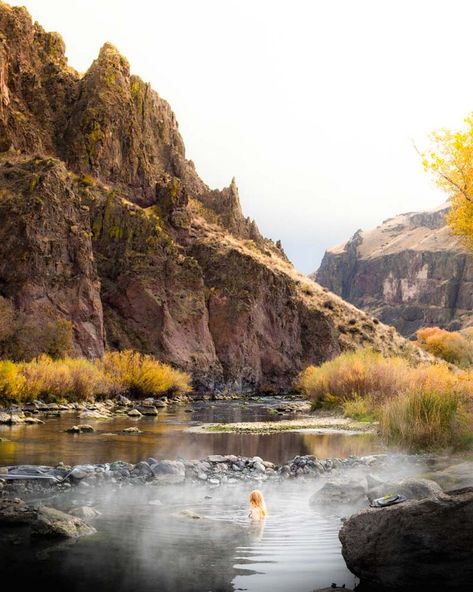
[410, 272]
[105, 224]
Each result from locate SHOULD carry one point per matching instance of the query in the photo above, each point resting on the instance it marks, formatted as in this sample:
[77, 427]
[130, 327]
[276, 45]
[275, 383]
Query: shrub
[451, 346]
[74, 379]
[353, 374]
[426, 419]
[141, 375]
[12, 383]
[78, 379]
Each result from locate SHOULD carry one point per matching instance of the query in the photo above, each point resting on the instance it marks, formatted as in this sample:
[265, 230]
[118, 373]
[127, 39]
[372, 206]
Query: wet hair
[257, 501]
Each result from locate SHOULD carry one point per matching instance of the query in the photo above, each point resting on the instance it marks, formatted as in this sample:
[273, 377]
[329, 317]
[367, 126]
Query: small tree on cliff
[450, 159]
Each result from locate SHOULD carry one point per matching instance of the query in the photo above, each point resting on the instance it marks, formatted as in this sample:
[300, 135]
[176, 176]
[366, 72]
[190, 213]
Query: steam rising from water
[144, 542]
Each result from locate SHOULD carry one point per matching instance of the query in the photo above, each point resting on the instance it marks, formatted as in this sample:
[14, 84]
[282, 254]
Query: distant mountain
[410, 272]
[105, 224]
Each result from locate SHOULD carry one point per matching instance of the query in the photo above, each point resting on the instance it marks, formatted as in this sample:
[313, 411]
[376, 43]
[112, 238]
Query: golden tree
[450, 159]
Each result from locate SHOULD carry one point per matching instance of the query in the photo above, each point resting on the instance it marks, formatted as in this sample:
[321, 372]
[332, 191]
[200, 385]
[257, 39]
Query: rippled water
[166, 437]
[148, 546]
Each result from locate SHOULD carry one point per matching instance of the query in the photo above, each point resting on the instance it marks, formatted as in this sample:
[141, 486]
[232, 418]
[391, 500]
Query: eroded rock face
[411, 545]
[104, 219]
[410, 272]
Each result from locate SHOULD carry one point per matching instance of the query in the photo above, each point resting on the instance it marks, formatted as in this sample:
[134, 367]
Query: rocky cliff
[106, 224]
[410, 272]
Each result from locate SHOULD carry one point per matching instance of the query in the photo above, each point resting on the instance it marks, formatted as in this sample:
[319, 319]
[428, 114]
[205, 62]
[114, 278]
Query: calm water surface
[143, 546]
[166, 437]
[148, 547]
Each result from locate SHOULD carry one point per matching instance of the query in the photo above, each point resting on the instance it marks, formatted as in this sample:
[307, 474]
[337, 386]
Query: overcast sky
[312, 105]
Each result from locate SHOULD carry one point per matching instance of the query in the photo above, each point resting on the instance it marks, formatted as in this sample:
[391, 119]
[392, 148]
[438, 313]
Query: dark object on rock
[387, 500]
[406, 546]
[411, 488]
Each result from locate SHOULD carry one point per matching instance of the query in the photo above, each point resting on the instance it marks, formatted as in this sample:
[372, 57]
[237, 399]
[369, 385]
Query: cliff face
[410, 272]
[105, 222]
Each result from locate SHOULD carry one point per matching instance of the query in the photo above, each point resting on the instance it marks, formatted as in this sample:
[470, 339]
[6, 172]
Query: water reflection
[166, 437]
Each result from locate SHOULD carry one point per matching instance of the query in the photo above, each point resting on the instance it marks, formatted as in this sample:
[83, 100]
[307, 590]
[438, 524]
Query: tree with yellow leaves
[450, 160]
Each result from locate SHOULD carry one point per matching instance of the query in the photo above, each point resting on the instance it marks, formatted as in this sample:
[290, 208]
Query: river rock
[32, 420]
[455, 476]
[132, 430]
[52, 522]
[80, 429]
[334, 492]
[410, 545]
[169, 471]
[85, 512]
[122, 400]
[11, 418]
[147, 410]
[134, 413]
[15, 511]
[142, 469]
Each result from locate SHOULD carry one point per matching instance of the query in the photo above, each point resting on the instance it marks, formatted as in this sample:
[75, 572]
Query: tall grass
[418, 407]
[78, 379]
[353, 374]
[423, 420]
[141, 375]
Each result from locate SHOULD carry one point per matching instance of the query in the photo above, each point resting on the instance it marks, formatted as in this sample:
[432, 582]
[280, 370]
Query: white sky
[312, 105]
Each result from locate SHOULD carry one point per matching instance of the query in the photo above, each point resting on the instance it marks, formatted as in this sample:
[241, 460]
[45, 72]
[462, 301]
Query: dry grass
[353, 374]
[425, 420]
[451, 346]
[78, 379]
[418, 407]
[141, 375]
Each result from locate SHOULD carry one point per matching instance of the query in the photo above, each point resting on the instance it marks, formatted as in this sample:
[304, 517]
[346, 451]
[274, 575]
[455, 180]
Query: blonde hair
[257, 502]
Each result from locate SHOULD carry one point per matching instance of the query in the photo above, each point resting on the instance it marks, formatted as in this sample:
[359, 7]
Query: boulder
[85, 512]
[454, 476]
[410, 545]
[134, 413]
[15, 511]
[344, 493]
[52, 522]
[169, 471]
[411, 488]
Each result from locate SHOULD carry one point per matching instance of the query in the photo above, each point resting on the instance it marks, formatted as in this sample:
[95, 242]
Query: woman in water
[257, 506]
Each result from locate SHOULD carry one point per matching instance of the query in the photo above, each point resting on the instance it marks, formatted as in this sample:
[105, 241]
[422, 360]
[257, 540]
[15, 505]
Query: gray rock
[411, 488]
[134, 413]
[349, 493]
[409, 545]
[54, 523]
[85, 512]
[15, 511]
[132, 430]
[142, 469]
[169, 471]
[147, 410]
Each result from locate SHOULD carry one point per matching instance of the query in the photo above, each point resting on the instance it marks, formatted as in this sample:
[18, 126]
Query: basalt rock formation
[409, 272]
[106, 224]
[412, 545]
